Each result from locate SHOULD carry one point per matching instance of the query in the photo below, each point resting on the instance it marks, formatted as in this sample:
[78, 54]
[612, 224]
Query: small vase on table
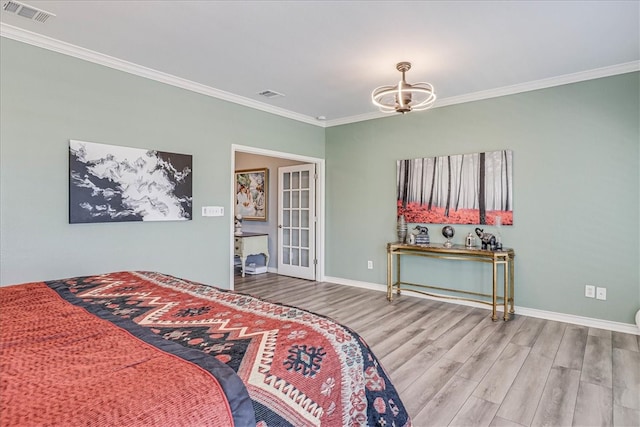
[402, 229]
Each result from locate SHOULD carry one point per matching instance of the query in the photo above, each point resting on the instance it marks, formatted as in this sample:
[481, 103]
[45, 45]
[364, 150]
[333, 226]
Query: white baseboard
[627, 328]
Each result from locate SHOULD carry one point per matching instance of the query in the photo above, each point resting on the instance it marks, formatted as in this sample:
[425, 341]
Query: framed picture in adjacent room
[252, 188]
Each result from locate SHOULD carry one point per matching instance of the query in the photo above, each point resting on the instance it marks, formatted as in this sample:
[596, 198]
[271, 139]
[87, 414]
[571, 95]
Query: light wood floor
[453, 366]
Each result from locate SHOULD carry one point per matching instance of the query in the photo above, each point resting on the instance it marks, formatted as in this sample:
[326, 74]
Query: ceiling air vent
[270, 94]
[26, 11]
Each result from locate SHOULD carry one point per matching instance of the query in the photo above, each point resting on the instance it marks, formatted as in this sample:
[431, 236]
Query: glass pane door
[296, 235]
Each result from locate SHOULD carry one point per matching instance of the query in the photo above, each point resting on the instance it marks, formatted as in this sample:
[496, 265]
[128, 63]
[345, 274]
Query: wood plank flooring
[453, 366]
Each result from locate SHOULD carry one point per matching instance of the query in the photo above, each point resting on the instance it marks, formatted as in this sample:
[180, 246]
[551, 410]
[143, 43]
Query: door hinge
[315, 262]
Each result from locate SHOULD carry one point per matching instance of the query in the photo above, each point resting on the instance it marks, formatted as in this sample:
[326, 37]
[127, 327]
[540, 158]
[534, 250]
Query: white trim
[35, 39]
[544, 83]
[581, 76]
[49, 43]
[320, 204]
[356, 283]
[627, 328]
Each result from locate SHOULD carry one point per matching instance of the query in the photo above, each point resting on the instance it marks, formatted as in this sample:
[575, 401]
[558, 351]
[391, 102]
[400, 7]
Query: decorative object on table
[470, 241]
[411, 239]
[487, 240]
[404, 97]
[422, 238]
[422, 229]
[498, 223]
[456, 189]
[402, 229]
[252, 186]
[448, 232]
[111, 183]
[238, 225]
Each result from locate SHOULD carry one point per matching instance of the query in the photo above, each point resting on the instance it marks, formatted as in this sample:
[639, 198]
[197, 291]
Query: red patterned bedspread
[63, 366]
[299, 369]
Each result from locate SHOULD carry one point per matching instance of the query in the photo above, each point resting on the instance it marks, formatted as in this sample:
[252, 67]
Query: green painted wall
[576, 163]
[47, 98]
[576, 193]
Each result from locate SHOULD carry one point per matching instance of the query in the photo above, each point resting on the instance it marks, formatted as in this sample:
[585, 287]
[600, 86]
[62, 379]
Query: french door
[297, 221]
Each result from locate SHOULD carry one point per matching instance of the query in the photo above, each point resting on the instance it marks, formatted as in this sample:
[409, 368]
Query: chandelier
[404, 97]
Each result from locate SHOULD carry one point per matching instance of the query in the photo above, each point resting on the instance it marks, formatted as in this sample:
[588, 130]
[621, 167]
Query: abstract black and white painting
[110, 183]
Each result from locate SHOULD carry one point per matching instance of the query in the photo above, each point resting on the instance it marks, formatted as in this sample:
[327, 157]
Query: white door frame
[320, 201]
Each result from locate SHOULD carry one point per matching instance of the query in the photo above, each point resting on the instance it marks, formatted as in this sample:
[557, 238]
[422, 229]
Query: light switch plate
[213, 211]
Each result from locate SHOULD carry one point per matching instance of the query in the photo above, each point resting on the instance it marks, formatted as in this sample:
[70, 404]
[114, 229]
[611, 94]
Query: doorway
[244, 157]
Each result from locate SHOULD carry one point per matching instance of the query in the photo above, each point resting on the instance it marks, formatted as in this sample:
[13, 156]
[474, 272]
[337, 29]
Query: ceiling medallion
[404, 97]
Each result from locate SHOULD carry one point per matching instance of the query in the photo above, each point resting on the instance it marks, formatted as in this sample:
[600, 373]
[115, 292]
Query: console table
[503, 258]
[251, 244]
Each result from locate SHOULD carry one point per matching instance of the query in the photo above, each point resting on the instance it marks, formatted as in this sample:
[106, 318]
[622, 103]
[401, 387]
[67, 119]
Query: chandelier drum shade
[404, 97]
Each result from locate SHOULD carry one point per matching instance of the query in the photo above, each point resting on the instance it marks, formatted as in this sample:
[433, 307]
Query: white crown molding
[609, 325]
[24, 36]
[544, 83]
[597, 73]
[362, 118]
[35, 39]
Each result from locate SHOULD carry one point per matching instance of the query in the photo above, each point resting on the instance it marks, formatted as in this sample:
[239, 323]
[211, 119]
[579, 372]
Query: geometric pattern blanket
[60, 365]
[299, 368]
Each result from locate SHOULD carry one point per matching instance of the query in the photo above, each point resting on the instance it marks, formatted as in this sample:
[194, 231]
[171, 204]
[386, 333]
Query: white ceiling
[327, 56]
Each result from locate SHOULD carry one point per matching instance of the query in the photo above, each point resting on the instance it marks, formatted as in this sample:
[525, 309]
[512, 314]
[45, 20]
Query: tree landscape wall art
[109, 183]
[460, 189]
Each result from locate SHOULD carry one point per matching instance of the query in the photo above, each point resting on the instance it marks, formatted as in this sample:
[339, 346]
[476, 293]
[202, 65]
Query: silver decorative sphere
[448, 231]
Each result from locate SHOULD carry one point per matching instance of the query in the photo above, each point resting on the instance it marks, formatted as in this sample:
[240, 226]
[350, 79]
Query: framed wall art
[252, 191]
[111, 183]
[458, 189]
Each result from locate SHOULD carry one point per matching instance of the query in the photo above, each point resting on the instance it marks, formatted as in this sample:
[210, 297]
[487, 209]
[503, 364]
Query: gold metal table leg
[494, 317]
[511, 284]
[389, 276]
[398, 274]
[505, 271]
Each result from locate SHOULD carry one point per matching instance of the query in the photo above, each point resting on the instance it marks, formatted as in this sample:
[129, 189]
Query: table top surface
[454, 249]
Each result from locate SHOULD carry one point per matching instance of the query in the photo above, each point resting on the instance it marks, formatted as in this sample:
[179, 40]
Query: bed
[143, 348]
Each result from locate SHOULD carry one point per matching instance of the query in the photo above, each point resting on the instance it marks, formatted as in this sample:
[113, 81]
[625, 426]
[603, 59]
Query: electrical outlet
[370, 265]
[590, 291]
[601, 293]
